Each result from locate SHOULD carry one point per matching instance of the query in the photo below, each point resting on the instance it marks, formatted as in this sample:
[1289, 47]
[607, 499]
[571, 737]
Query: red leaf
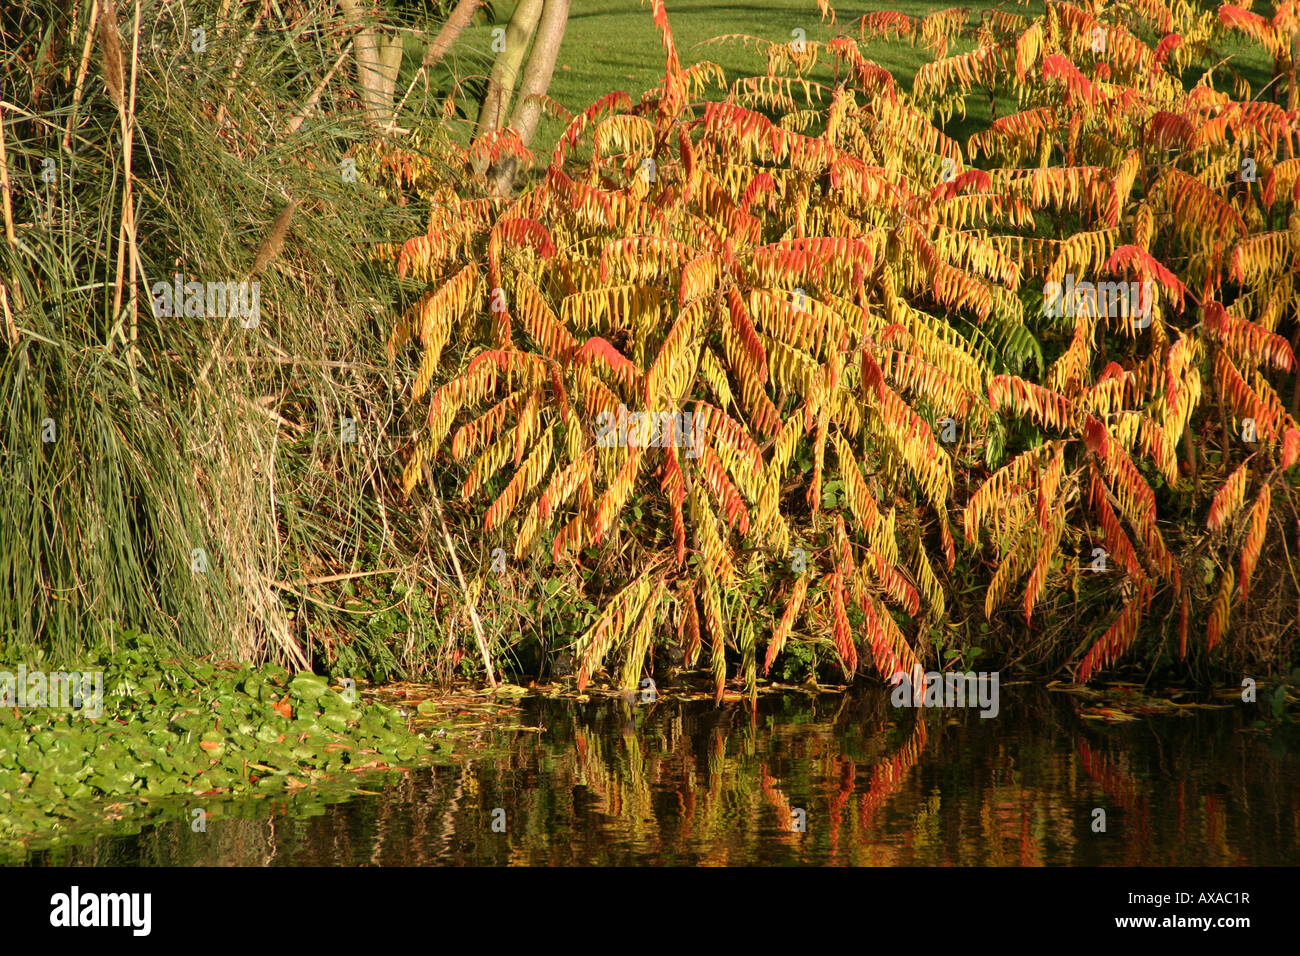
[1143, 262]
[1290, 447]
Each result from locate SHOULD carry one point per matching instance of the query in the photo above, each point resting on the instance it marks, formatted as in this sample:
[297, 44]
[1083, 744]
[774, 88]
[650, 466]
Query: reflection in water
[684, 783]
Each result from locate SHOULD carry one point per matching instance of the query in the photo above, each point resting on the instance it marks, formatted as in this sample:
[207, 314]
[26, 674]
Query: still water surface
[683, 783]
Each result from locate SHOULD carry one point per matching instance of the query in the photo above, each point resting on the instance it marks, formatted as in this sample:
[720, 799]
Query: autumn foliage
[848, 306]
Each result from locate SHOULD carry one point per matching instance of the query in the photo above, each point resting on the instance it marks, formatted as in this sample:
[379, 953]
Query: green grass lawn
[617, 44]
[614, 44]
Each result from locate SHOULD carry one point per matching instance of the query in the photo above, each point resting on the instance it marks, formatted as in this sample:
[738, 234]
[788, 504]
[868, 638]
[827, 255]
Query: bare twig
[298, 118]
[276, 416]
[332, 578]
[297, 590]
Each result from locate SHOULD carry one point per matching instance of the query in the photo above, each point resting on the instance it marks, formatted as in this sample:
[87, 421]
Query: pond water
[605, 782]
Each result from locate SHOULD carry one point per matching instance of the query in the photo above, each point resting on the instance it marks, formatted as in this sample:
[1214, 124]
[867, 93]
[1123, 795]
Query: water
[685, 783]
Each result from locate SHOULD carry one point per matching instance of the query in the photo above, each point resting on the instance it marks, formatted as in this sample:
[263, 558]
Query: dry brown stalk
[460, 577]
[10, 236]
[82, 68]
[9, 318]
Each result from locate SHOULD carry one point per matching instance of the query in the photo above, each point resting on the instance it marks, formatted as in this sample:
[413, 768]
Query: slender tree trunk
[505, 72]
[537, 80]
[379, 57]
[451, 31]
[390, 64]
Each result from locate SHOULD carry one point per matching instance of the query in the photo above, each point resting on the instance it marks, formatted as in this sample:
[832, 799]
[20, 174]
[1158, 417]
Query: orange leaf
[1290, 447]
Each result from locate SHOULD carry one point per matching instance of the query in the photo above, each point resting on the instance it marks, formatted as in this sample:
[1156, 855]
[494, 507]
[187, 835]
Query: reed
[203, 494]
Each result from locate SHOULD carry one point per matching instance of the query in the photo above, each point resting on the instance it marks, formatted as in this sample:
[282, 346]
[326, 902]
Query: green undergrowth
[177, 736]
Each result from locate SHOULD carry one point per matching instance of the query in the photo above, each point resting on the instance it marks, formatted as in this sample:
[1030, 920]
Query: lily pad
[307, 686]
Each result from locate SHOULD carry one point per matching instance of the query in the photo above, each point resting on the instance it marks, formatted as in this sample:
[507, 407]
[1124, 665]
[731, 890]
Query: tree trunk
[537, 80]
[501, 82]
[379, 58]
[451, 30]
